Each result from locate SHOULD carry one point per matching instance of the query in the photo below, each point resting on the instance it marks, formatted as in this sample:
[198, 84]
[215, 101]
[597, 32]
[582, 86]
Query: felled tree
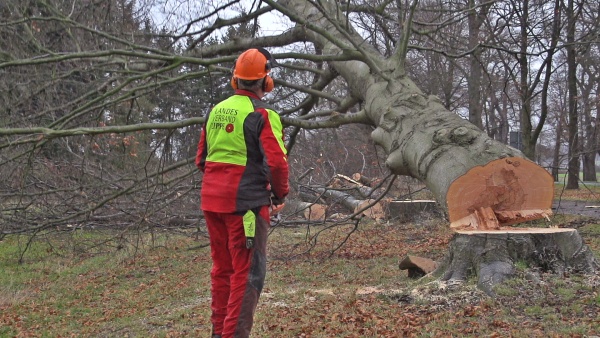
[421, 138]
[484, 185]
[481, 183]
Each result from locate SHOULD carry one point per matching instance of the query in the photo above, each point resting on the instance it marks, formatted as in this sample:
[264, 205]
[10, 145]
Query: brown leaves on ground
[314, 288]
[584, 193]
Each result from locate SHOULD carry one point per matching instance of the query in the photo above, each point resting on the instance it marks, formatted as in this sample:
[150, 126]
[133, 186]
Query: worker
[244, 161]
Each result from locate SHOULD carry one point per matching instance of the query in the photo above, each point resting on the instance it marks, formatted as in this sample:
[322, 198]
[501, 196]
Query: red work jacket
[241, 153]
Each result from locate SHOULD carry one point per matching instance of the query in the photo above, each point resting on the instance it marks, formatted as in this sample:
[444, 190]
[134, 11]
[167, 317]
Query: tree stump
[492, 255]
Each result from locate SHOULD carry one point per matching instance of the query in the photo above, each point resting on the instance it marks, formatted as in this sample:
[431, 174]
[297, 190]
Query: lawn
[103, 284]
[587, 192]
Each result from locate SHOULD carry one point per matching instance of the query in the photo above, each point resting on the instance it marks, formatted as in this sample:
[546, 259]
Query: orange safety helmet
[254, 64]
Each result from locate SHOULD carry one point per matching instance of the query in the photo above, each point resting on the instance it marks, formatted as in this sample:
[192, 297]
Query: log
[362, 190]
[492, 255]
[346, 178]
[407, 210]
[310, 211]
[362, 179]
[501, 193]
[417, 266]
[310, 198]
[315, 212]
[377, 211]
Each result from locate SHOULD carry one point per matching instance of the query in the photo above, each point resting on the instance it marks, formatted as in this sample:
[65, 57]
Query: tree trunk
[573, 127]
[589, 167]
[421, 138]
[597, 124]
[376, 211]
[525, 93]
[474, 178]
[501, 193]
[556, 154]
[590, 127]
[492, 255]
[309, 211]
[475, 20]
[498, 127]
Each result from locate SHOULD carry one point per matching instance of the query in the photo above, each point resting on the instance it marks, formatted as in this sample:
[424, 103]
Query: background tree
[574, 163]
[103, 106]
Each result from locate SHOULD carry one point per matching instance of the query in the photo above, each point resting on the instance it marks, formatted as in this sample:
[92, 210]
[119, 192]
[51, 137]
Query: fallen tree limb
[309, 211]
[369, 207]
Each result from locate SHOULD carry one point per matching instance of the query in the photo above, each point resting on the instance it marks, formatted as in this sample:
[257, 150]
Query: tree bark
[310, 211]
[376, 211]
[589, 166]
[557, 144]
[590, 126]
[475, 20]
[492, 255]
[471, 175]
[421, 138]
[525, 93]
[573, 126]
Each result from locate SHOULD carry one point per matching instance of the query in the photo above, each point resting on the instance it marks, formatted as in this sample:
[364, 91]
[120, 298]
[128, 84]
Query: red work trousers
[238, 273]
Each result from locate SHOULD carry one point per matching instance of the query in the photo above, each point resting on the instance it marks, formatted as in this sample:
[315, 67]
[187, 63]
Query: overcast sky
[175, 14]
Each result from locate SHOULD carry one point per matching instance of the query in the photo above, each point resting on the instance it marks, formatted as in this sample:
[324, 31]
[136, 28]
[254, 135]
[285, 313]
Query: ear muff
[268, 56]
[268, 84]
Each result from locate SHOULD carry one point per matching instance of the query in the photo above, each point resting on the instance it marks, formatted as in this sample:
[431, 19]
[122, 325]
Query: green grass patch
[591, 233]
[141, 285]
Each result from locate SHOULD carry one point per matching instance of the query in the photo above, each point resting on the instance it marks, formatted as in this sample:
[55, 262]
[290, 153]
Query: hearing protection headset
[254, 64]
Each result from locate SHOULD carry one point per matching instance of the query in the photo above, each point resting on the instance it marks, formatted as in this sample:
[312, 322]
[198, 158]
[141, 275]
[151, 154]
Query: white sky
[175, 14]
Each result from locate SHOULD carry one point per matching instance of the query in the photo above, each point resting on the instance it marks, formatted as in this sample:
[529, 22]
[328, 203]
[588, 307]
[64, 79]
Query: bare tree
[99, 134]
[587, 83]
[574, 164]
[589, 74]
[337, 78]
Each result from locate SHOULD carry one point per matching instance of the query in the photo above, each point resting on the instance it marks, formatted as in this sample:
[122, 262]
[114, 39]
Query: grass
[136, 288]
[584, 193]
[562, 177]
